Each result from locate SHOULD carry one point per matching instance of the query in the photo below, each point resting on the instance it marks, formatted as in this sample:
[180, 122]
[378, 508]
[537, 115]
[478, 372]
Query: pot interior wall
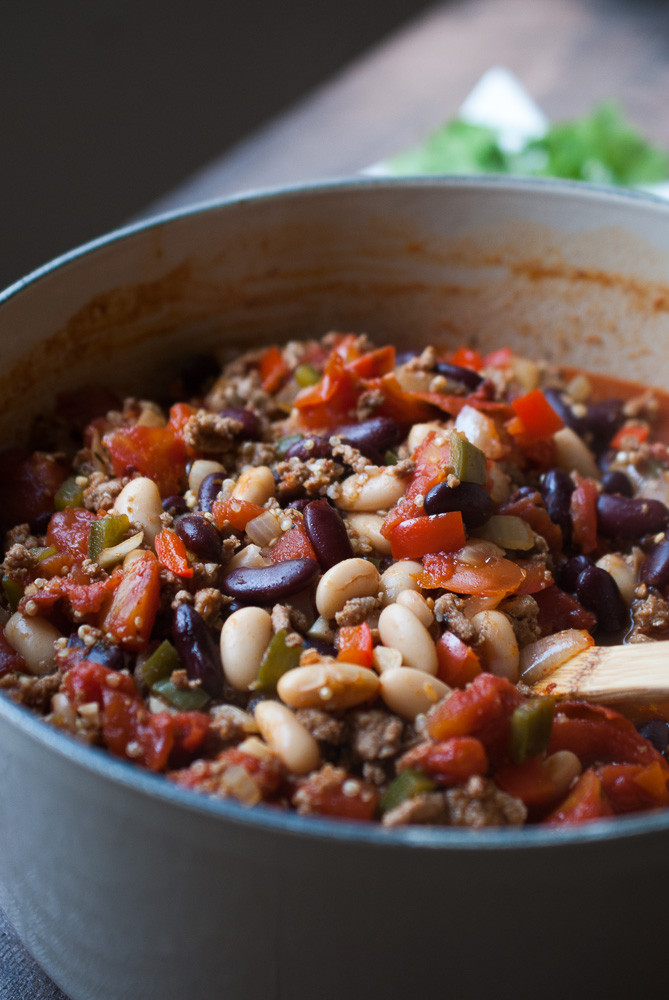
[553, 272]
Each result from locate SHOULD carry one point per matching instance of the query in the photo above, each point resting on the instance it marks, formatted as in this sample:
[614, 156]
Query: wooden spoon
[637, 673]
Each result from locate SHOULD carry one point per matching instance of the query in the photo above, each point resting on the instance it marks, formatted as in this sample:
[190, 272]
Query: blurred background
[107, 104]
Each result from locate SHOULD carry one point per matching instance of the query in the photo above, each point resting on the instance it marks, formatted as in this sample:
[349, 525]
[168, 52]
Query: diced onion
[539, 659]
[117, 553]
[480, 430]
[264, 529]
[508, 531]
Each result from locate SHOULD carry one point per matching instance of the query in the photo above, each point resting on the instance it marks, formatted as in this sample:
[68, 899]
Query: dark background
[107, 104]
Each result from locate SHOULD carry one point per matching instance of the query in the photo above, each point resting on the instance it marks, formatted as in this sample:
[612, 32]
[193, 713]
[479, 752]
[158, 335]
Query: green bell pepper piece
[531, 726]
[306, 375]
[466, 460]
[161, 663]
[278, 659]
[406, 785]
[13, 592]
[183, 699]
[70, 494]
[105, 532]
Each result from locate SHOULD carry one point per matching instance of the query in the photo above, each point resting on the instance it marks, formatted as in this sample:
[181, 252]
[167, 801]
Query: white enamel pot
[124, 887]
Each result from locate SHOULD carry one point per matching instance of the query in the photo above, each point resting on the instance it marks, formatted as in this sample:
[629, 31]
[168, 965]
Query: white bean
[402, 575]
[563, 768]
[345, 580]
[328, 684]
[255, 485]
[369, 527]
[287, 737]
[140, 501]
[244, 638]
[416, 603]
[34, 639]
[374, 489]
[497, 646]
[400, 629]
[409, 692]
[419, 432]
[199, 470]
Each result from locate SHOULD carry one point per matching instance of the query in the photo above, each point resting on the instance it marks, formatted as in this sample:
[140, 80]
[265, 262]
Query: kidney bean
[598, 592]
[630, 517]
[403, 357]
[570, 571]
[198, 649]
[655, 567]
[372, 437]
[250, 429]
[455, 373]
[197, 370]
[656, 731]
[210, 487]
[601, 422]
[265, 584]
[560, 405]
[310, 447]
[471, 499]
[100, 652]
[556, 488]
[200, 536]
[175, 505]
[320, 645]
[327, 533]
[615, 481]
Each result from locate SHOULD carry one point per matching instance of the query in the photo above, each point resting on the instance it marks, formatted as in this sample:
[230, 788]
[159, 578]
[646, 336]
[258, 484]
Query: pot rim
[266, 818]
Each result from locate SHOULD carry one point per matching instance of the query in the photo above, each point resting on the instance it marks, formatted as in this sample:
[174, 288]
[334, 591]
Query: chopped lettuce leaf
[602, 147]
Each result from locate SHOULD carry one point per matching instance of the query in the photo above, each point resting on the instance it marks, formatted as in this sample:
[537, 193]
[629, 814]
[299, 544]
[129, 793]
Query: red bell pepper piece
[418, 536]
[431, 458]
[273, 369]
[449, 762]
[535, 417]
[458, 663]
[467, 357]
[586, 801]
[354, 644]
[490, 579]
[331, 401]
[135, 603]
[172, 553]
[635, 432]
[374, 364]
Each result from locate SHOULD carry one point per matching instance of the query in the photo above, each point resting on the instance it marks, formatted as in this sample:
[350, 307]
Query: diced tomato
[403, 406]
[293, 544]
[600, 735]
[205, 775]
[135, 603]
[490, 579]
[86, 682]
[273, 369]
[156, 452]
[583, 509]
[559, 610]
[83, 596]
[417, 536]
[330, 402]
[354, 644]
[537, 576]
[500, 358]
[448, 762]
[10, 660]
[586, 801]
[172, 553]
[467, 357]
[236, 513]
[358, 802]
[68, 531]
[180, 414]
[28, 484]
[533, 510]
[458, 663]
[535, 417]
[483, 709]
[529, 781]
[431, 458]
[129, 730]
[635, 787]
[374, 364]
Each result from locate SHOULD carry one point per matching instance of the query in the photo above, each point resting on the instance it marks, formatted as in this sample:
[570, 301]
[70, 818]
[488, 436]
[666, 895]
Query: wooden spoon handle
[637, 673]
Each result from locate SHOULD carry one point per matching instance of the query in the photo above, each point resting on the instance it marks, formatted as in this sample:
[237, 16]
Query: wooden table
[567, 53]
